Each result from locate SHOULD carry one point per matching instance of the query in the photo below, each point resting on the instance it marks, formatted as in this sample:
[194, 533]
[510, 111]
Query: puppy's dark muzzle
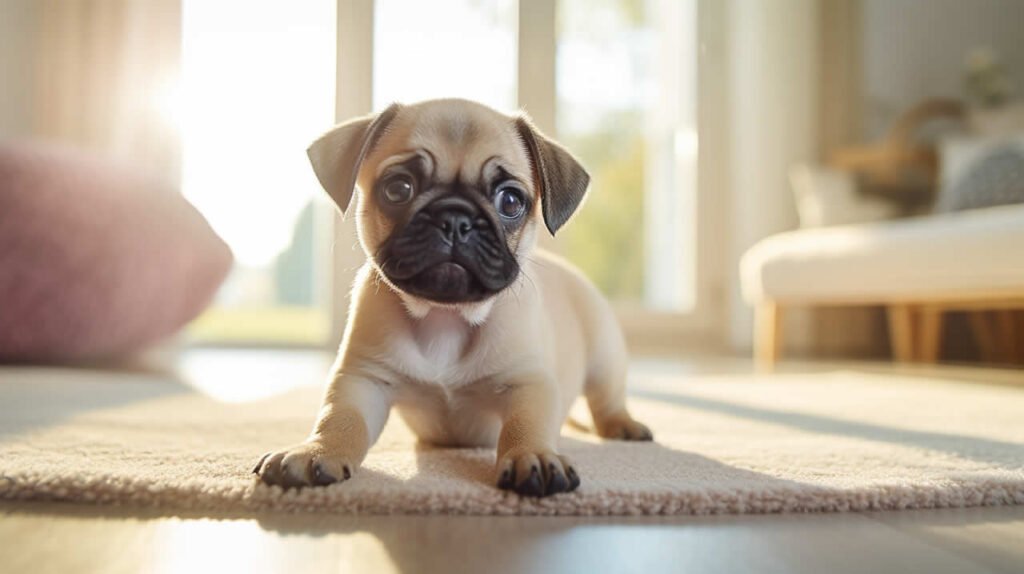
[449, 251]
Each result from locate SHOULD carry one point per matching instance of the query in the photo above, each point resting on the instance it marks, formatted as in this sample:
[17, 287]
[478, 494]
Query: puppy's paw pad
[531, 474]
[307, 464]
[624, 427]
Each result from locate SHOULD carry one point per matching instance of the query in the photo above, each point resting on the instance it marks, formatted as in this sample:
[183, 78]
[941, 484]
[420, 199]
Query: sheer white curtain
[105, 73]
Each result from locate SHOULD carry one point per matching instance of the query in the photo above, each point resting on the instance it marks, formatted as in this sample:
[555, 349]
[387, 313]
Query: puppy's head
[450, 194]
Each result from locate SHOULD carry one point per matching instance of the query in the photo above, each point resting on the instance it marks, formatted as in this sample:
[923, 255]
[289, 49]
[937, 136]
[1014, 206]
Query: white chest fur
[435, 348]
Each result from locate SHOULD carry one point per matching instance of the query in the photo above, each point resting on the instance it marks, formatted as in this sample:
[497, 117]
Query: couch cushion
[912, 259]
[96, 260]
[981, 172]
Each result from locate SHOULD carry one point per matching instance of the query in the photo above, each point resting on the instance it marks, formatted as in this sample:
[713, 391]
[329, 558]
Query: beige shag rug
[725, 444]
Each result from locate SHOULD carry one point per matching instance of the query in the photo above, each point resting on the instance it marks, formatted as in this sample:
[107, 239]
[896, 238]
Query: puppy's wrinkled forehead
[462, 141]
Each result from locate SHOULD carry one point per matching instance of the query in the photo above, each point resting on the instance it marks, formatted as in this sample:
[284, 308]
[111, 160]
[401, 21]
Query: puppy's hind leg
[605, 390]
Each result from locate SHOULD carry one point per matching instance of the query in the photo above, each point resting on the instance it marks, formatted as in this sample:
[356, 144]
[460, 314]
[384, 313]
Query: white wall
[17, 30]
[911, 50]
[773, 54]
[915, 49]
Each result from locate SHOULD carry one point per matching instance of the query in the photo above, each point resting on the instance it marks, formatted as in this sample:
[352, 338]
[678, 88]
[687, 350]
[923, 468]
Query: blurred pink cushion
[96, 260]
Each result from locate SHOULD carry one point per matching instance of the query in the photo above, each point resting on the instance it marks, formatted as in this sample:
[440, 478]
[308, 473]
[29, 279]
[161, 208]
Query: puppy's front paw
[312, 463]
[623, 427]
[537, 474]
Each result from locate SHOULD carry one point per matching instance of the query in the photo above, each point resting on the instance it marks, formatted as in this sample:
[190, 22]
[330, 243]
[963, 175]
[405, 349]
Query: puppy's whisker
[538, 262]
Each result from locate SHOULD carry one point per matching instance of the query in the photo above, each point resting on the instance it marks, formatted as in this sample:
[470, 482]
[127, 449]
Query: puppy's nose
[456, 226]
[454, 217]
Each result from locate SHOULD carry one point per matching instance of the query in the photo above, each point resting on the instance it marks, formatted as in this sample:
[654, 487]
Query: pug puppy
[456, 321]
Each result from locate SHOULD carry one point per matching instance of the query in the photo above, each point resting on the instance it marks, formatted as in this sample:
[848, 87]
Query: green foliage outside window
[606, 238]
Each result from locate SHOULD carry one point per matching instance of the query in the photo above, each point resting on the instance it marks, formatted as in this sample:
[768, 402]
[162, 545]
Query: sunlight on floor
[197, 546]
[244, 375]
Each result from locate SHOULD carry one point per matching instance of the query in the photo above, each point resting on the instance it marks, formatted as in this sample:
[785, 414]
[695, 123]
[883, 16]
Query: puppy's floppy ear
[337, 155]
[559, 178]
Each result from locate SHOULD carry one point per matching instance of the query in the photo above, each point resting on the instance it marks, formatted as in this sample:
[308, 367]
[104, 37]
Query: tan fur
[502, 372]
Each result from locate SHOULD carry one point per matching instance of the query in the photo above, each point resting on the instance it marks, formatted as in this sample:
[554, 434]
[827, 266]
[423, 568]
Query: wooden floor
[42, 538]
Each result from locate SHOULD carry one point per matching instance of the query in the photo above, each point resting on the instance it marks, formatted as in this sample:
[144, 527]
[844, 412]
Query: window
[626, 78]
[615, 80]
[445, 48]
[257, 87]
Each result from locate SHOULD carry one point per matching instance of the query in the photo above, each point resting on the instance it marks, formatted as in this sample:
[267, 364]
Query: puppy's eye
[509, 202]
[398, 190]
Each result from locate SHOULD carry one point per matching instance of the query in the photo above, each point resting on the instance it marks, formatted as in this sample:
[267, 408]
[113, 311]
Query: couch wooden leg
[1018, 352]
[984, 335]
[999, 335]
[768, 334]
[1003, 323]
[929, 334]
[901, 332]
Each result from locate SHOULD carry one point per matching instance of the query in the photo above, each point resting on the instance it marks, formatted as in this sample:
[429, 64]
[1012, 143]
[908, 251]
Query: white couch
[919, 268]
